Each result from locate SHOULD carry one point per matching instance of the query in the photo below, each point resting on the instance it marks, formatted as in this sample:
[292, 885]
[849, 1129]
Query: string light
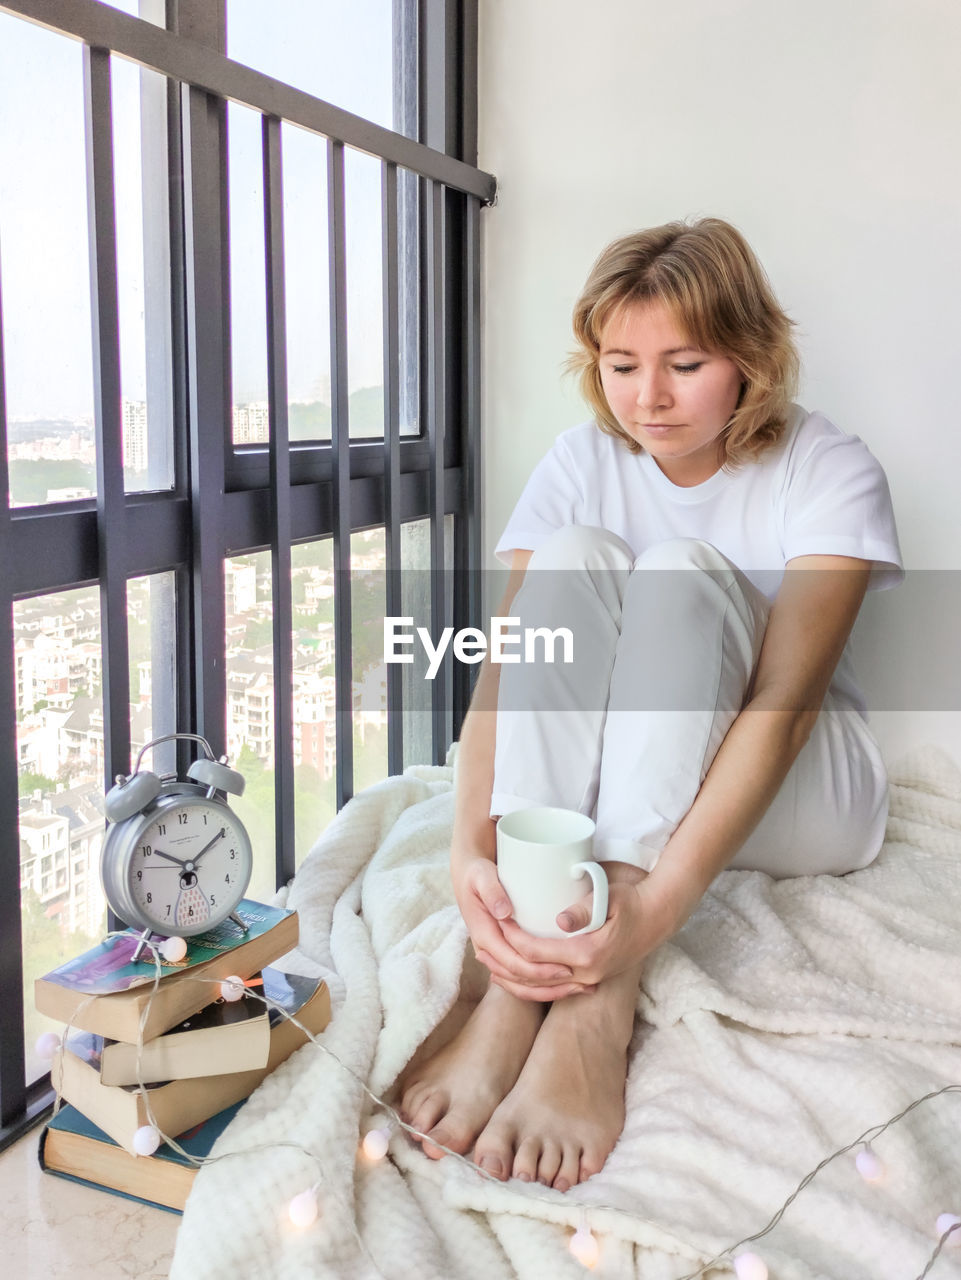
[47, 1045]
[868, 1165]
[376, 1143]
[173, 949]
[584, 1246]
[749, 1266]
[304, 1208]
[146, 1140]
[232, 989]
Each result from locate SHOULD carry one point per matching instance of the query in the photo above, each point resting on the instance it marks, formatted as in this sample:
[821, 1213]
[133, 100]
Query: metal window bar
[111, 511]
[341, 494]
[390, 218]
[208, 363]
[436, 435]
[279, 501]
[468, 539]
[184, 691]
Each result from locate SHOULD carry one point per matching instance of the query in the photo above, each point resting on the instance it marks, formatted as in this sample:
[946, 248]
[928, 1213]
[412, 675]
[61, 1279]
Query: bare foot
[453, 1095]
[560, 1121]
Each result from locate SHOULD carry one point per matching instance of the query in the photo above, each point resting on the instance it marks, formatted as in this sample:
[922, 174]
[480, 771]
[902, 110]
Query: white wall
[827, 130]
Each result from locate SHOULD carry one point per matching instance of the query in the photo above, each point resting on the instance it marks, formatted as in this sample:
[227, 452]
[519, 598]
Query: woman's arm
[809, 624]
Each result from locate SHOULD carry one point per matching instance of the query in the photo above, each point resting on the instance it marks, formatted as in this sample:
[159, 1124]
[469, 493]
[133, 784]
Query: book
[120, 1110]
[105, 992]
[72, 1146]
[222, 1037]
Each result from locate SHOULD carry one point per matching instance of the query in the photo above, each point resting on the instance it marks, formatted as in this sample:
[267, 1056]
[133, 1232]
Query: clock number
[147, 850]
[150, 897]
[168, 908]
[233, 853]
[213, 900]
[190, 911]
[182, 818]
[205, 819]
[226, 879]
[161, 828]
[139, 875]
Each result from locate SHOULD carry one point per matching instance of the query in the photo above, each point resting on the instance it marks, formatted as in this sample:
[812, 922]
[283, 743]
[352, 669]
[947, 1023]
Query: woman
[713, 543]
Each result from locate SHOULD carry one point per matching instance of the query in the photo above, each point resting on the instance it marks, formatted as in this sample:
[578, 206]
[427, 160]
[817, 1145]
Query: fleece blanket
[782, 1022]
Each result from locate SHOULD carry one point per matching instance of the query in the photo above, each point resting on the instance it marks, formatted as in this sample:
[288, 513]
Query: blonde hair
[707, 276]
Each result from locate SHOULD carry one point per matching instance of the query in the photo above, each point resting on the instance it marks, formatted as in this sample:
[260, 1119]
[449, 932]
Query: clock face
[189, 866]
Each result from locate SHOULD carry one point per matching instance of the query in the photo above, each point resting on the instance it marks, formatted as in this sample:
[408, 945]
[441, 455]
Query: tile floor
[52, 1229]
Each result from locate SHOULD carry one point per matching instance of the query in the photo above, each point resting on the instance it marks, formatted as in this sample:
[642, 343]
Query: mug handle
[599, 878]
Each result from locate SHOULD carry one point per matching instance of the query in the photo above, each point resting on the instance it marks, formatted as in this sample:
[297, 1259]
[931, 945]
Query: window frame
[230, 500]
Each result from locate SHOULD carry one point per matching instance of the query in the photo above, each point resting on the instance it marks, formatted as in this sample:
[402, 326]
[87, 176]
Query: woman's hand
[638, 921]
[486, 909]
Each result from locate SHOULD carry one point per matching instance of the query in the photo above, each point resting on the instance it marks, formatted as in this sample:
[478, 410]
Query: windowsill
[57, 1229]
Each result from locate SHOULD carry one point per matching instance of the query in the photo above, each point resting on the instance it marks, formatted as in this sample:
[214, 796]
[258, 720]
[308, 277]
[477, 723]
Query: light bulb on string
[173, 949]
[584, 1247]
[232, 989]
[376, 1142]
[868, 1165]
[146, 1140]
[749, 1266]
[47, 1045]
[304, 1209]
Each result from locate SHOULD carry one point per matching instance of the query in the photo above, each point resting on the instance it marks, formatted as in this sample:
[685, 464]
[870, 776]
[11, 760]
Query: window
[238, 388]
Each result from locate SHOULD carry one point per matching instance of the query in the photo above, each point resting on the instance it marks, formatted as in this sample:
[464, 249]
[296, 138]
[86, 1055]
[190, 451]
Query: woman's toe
[569, 1172]
[495, 1153]
[526, 1160]
[453, 1132]
[427, 1112]
[549, 1163]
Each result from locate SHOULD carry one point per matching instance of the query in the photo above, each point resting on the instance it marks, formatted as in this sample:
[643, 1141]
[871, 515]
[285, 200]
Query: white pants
[662, 665]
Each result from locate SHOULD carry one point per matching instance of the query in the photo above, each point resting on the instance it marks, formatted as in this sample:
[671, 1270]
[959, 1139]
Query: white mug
[541, 856]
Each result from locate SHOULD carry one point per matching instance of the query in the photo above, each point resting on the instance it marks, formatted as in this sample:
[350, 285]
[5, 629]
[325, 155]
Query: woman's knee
[682, 553]
[577, 546]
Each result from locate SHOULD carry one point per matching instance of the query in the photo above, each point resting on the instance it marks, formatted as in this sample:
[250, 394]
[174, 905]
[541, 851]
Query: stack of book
[199, 1057]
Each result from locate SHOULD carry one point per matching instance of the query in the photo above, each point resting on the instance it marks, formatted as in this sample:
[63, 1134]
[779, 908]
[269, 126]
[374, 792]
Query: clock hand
[170, 858]
[210, 844]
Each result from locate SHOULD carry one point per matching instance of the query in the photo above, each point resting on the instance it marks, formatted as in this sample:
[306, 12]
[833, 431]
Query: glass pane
[343, 53]
[143, 274]
[151, 623]
[60, 761]
[248, 286]
[150, 10]
[44, 266]
[307, 284]
[365, 327]
[250, 707]
[315, 749]
[408, 301]
[415, 601]
[368, 604]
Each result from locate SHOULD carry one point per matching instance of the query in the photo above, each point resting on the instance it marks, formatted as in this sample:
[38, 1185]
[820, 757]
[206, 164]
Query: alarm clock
[176, 860]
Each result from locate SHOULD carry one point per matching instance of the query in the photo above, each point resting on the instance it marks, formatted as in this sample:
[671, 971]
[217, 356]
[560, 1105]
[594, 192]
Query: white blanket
[782, 1022]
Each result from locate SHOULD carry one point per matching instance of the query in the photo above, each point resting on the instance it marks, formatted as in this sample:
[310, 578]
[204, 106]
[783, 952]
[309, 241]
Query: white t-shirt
[816, 492]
